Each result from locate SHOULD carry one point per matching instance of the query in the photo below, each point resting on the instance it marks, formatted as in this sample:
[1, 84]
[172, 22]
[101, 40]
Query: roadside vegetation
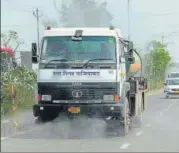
[156, 64]
[17, 90]
[17, 83]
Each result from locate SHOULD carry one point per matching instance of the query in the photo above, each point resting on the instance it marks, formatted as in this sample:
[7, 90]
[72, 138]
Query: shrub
[17, 89]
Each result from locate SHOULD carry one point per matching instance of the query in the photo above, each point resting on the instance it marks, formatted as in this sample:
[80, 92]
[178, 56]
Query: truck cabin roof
[85, 32]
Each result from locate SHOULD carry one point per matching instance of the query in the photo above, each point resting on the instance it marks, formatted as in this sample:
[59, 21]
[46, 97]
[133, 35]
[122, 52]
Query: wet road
[158, 132]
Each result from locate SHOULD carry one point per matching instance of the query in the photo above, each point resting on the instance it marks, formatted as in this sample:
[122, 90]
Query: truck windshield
[173, 82]
[90, 47]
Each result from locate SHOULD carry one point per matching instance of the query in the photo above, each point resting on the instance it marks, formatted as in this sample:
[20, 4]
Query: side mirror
[34, 53]
[130, 48]
[130, 52]
[131, 59]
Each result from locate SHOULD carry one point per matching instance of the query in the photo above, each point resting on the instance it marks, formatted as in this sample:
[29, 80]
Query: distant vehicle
[171, 88]
[173, 75]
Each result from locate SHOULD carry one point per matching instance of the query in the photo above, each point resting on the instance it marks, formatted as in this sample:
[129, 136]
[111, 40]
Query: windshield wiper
[97, 59]
[57, 60]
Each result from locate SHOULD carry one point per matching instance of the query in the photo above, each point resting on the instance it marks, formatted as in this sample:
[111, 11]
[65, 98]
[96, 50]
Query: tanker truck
[85, 71]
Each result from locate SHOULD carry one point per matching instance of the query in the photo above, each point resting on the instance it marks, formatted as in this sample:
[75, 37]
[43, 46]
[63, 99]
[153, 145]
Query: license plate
[74, 109]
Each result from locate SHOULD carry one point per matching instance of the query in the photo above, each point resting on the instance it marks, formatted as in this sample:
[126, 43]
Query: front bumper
[172, 92]
[90, 110]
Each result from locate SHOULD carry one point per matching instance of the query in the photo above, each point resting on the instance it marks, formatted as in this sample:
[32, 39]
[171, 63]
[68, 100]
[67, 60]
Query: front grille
[83, 94]
[87, 94]
[175, 89]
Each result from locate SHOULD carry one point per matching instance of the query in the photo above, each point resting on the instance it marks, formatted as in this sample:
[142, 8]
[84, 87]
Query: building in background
[23, 58]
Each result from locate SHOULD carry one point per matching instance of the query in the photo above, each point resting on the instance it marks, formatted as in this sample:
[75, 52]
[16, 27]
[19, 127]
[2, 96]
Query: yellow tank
[134, 68]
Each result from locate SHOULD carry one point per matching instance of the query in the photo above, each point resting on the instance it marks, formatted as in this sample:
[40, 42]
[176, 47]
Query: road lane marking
[139, 133]
[161, 113]
[125, 146]
[165, 110]
[3, 138]
[148, 125]
[169, 106]
[5, 121]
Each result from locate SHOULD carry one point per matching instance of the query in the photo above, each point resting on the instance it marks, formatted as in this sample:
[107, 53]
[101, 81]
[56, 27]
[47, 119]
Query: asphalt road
[158, 132]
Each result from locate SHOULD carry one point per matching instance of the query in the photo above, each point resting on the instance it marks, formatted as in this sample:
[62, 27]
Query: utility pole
[162, 40]
[128, 10]
[37, 15]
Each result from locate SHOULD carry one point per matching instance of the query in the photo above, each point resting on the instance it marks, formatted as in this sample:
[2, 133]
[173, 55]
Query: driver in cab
[106, 51]
[56, 49]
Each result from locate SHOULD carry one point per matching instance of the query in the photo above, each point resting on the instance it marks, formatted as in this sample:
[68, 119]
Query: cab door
[122, 63]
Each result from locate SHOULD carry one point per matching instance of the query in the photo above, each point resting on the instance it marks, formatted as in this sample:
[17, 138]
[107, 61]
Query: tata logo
[76, 84]
[77, 93]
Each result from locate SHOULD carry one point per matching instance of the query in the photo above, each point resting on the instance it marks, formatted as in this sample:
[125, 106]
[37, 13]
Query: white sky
[150, 19]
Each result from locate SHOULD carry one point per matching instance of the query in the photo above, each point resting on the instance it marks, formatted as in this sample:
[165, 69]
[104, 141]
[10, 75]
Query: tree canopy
[157, 61]
[84, 13]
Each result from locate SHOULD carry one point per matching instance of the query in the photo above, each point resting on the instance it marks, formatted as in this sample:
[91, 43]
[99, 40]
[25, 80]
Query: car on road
[171, 87]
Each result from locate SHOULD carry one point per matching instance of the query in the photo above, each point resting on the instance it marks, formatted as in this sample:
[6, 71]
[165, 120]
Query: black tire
[140, 117]
[142, 105]
[121, 127]
[126, 120]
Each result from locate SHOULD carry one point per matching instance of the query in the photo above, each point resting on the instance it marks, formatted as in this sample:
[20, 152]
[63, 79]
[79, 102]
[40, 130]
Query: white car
[171, 87]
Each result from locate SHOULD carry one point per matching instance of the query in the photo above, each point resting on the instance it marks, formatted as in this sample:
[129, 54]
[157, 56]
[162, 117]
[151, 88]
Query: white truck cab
[84, 71]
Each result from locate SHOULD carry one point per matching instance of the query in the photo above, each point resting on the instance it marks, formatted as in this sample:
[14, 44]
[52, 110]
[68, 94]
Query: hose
[140, 62]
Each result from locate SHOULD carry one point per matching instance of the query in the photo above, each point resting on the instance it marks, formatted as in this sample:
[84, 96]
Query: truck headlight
[46, 97]
[111, 97]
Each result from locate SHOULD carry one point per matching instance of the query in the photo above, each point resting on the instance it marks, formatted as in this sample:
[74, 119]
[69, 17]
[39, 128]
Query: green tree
[157, 61]
[84, 13]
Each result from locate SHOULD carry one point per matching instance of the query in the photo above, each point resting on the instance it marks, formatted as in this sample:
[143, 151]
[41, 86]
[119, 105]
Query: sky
[150, 19]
